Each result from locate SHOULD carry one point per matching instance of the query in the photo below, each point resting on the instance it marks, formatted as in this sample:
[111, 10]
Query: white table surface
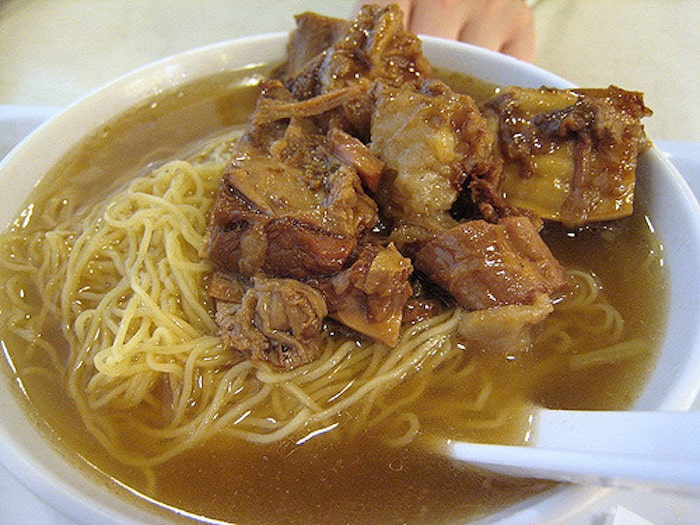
[52, 52]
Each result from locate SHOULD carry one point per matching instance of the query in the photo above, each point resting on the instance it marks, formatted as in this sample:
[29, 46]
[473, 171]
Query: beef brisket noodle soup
[119, 347]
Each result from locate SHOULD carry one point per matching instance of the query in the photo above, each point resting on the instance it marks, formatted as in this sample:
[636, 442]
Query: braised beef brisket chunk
[483, 265]
[357, 165]
[287, 206]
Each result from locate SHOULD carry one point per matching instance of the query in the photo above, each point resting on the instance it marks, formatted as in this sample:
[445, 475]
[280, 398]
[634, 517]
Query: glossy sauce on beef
[354, 480]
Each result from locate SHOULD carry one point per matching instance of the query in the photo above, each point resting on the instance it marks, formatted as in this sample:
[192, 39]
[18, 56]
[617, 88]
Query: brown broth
[357, 480]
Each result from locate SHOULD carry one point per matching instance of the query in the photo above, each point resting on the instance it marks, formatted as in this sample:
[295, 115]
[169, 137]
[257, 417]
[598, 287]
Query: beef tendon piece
[276, 321]
[370, 295]
[570, 155]
[433, 141]
[484, 265]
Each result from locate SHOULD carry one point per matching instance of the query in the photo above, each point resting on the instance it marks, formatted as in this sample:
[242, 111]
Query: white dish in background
[17, 121]
[35, 462]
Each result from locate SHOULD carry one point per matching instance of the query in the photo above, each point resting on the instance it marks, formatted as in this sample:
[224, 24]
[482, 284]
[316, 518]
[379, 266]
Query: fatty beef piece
[503, 330]
[435, 144]
[325, 54]
[570, 155]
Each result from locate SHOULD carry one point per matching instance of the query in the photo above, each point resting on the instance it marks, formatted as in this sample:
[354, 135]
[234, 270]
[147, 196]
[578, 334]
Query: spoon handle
[667, 435]
[659, 450]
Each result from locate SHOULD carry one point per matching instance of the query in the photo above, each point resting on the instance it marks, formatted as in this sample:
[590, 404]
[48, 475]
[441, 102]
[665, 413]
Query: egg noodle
[124, 287]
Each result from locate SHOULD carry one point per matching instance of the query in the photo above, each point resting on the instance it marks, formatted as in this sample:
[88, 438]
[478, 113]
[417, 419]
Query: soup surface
[331, 476]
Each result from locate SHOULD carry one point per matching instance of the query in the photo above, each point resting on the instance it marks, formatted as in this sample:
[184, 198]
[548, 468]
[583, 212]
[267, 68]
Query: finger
[521, 45]
[504, 25]
[521, 38]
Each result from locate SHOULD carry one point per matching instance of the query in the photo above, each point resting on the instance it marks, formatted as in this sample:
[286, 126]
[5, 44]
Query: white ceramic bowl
[35, 460]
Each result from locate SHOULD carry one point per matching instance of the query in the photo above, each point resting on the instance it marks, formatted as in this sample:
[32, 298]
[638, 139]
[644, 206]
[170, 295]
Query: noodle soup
[333, 441]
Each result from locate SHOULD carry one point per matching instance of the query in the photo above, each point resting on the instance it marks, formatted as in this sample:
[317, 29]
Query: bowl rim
[73, 493]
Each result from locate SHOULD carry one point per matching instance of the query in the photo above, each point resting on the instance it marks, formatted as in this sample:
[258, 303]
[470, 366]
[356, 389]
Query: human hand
[501, 25]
